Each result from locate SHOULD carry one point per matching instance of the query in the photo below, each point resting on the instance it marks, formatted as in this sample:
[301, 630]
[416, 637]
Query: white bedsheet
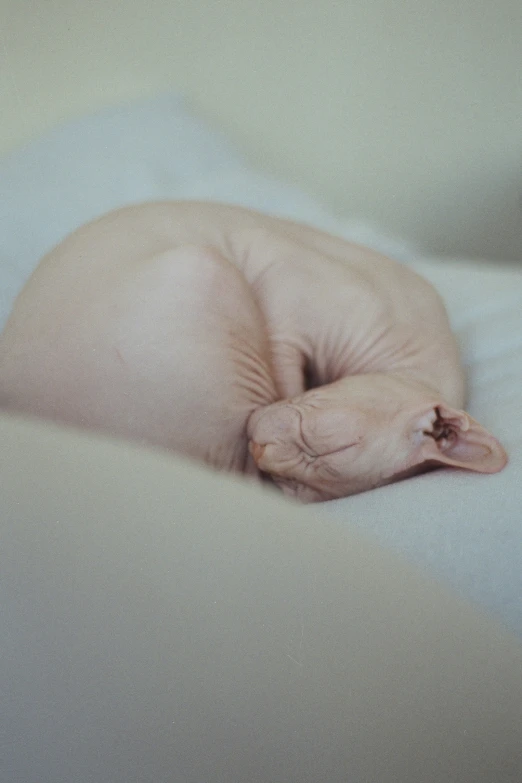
[466, 529]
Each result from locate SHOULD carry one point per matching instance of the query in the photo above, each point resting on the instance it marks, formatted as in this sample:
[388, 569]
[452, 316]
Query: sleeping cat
[255, 344]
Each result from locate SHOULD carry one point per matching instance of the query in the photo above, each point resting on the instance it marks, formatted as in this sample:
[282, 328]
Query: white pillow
[466, 528]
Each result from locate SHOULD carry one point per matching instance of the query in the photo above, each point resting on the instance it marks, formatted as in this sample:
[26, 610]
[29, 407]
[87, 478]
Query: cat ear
[446, 436]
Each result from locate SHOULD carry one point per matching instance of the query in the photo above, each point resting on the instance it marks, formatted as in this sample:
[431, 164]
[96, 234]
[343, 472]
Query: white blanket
[467, 529]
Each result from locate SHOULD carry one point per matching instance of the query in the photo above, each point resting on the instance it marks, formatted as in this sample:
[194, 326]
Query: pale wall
[405, 111]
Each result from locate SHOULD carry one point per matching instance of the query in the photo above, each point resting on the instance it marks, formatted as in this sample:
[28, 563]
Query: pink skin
[200, 328]
[317, 448]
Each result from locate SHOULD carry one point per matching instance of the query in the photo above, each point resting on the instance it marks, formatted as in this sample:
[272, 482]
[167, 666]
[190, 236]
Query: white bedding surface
[466, 529]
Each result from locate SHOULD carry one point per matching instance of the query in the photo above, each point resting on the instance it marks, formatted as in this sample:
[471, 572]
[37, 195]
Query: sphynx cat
[258, 345]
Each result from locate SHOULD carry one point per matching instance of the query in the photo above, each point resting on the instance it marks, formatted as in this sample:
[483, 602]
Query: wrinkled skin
[258, 345]
[315, 451]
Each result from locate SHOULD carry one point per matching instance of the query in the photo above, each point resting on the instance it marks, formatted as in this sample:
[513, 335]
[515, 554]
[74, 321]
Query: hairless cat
[256, 344]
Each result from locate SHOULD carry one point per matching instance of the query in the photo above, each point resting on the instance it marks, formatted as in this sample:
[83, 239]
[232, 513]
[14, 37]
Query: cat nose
[256, 450]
